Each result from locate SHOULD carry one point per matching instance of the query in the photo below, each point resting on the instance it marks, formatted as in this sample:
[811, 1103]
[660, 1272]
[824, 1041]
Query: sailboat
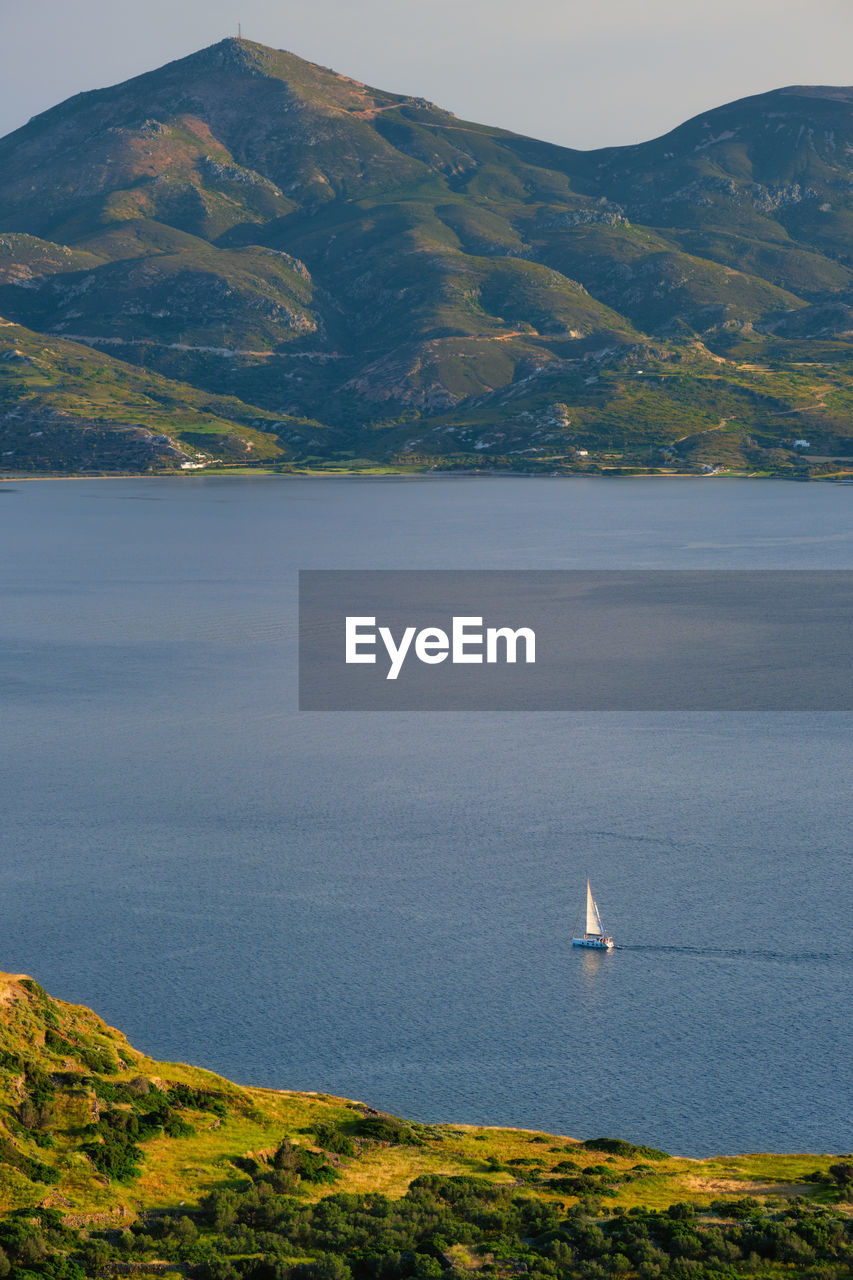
[593, 934]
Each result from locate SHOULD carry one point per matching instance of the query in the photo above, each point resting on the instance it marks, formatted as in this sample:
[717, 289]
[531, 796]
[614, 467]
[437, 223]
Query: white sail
[593, 919]
[593, 935]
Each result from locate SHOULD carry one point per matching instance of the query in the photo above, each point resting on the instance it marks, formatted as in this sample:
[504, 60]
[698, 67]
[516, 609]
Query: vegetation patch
[150, 1166]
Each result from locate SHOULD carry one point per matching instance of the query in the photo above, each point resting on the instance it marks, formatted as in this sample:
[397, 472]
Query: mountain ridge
[437, 293]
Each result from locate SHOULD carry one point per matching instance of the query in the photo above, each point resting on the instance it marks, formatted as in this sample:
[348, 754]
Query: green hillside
[113, 1164]
[70, 408]
[399, 287]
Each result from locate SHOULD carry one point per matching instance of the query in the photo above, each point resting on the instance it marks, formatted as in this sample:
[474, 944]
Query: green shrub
[303, 1163]
[388, 1129]
[33, 1169]
[183, 1096]
[332, 1139]
[57, 1043]
[98, 1058]
[617, 1147]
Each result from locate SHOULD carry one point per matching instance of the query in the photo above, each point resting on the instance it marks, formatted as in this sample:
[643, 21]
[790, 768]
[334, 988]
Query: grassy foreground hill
[113, 1164]
[365, 279]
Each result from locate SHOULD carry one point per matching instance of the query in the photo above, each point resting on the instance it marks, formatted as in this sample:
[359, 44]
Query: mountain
[112, 1163]
[364, 278]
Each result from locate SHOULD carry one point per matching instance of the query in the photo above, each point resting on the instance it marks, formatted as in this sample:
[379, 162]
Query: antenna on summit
[239, 31]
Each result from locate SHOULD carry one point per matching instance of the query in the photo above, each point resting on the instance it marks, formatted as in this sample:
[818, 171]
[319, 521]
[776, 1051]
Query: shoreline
[844, 477]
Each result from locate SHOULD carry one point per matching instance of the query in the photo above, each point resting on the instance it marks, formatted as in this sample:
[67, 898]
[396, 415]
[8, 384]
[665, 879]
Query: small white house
[802, 444]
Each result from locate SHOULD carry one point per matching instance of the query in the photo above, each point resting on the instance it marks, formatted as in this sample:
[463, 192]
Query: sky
[597, 73]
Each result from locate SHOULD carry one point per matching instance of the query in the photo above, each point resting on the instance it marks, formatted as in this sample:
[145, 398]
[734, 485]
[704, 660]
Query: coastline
[843, 477]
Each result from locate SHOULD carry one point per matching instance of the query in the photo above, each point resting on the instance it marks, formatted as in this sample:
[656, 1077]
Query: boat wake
[738, 953]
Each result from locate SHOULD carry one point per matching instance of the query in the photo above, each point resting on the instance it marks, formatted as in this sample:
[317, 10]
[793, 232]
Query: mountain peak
[318, 84]
[237, 53]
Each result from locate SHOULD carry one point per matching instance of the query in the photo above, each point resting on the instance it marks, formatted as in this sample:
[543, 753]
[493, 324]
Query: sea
[380, 905]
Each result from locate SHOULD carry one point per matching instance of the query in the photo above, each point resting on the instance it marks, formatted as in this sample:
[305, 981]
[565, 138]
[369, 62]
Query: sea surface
[380, 905]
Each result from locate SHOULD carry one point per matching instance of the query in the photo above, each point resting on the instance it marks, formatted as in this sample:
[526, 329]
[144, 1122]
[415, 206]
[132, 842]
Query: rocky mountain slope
[369, 277]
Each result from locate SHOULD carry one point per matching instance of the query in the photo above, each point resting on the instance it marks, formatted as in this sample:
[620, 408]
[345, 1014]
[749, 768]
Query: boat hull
[594, 944]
